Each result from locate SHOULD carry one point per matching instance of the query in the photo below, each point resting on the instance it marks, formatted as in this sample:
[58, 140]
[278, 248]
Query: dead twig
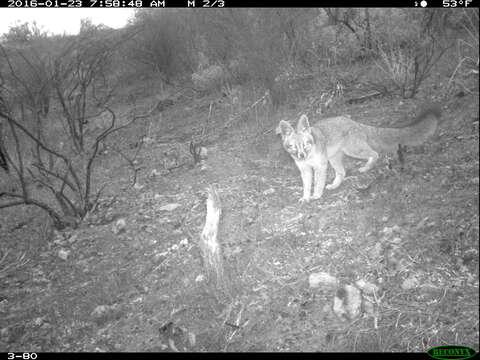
[252, 106]
[14, 265]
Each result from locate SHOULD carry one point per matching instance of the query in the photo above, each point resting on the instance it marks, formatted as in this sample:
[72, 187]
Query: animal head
[298, 143]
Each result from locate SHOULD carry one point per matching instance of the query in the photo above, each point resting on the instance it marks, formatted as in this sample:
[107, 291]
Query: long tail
[416, 133]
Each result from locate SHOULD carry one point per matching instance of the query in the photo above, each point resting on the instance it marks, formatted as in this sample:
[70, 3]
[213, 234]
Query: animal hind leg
[361, 150]
[337, 163]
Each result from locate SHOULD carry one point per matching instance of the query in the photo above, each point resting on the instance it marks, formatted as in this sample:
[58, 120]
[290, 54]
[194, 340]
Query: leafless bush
[25, 72]
[357, 21]
[208, 79]
[54, 169]
[67, 178]
[409, 65]
[465, 75]
[257, 44]
[81, 86]
[164, 43]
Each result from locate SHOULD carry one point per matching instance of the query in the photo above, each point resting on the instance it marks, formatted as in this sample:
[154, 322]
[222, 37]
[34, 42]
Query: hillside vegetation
[111, 138]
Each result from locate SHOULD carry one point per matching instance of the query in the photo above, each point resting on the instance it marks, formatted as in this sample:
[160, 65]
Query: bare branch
[20, 169]
[63, 178]
[130, 162]
[11, 204]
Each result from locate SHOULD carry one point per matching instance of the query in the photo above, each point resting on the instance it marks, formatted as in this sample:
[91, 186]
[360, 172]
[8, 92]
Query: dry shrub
[209, 79]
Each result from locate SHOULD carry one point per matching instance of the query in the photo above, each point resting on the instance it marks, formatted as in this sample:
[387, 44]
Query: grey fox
[328, 140]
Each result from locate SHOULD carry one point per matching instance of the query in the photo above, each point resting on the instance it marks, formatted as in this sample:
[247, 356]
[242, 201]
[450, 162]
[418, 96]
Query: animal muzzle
[301, 155]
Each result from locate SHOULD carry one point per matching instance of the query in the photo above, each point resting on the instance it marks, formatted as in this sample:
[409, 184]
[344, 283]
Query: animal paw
[331, 186]
[304, 200]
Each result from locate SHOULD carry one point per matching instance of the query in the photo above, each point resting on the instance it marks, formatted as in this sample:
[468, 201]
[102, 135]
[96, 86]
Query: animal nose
[301, 155]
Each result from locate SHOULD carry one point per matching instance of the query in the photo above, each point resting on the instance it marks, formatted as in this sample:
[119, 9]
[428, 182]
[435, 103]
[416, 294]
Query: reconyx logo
[456, 352]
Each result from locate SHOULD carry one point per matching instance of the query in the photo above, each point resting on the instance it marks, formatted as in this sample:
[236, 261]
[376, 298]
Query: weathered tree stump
[209, 245]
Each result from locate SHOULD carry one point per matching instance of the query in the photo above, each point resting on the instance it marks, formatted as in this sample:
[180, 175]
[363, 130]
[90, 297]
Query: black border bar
[133, 4]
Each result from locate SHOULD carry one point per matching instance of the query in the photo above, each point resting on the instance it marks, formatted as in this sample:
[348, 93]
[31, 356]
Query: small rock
[104, 313]
[236, 250]
[46, 326]
[410, 283]
[119, 226]
[73, 238]
[390, 230]
[339, 307]
[396, 240]
[38, 321]
[387, 230]
[200, 278]
[99, 311]
[155, 172]
[63, 254]
[137, 300]
[269, 191]
[137, 186]
[316, 280]
[376, 251]
[348, 302]
[354, 302]
[58, 241]
[3, 305]
[203, 153]
[367, 287]
[174, 247]
[368, 307]
[169, 207]
[191, 338]
[184, 242]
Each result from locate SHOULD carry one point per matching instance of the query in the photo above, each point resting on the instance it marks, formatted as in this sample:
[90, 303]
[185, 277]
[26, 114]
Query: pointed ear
[284, 128]
[303, 125]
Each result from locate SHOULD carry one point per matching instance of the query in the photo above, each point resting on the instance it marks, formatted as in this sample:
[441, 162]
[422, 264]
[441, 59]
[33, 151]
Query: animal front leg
[306, 174]
[320, 177]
